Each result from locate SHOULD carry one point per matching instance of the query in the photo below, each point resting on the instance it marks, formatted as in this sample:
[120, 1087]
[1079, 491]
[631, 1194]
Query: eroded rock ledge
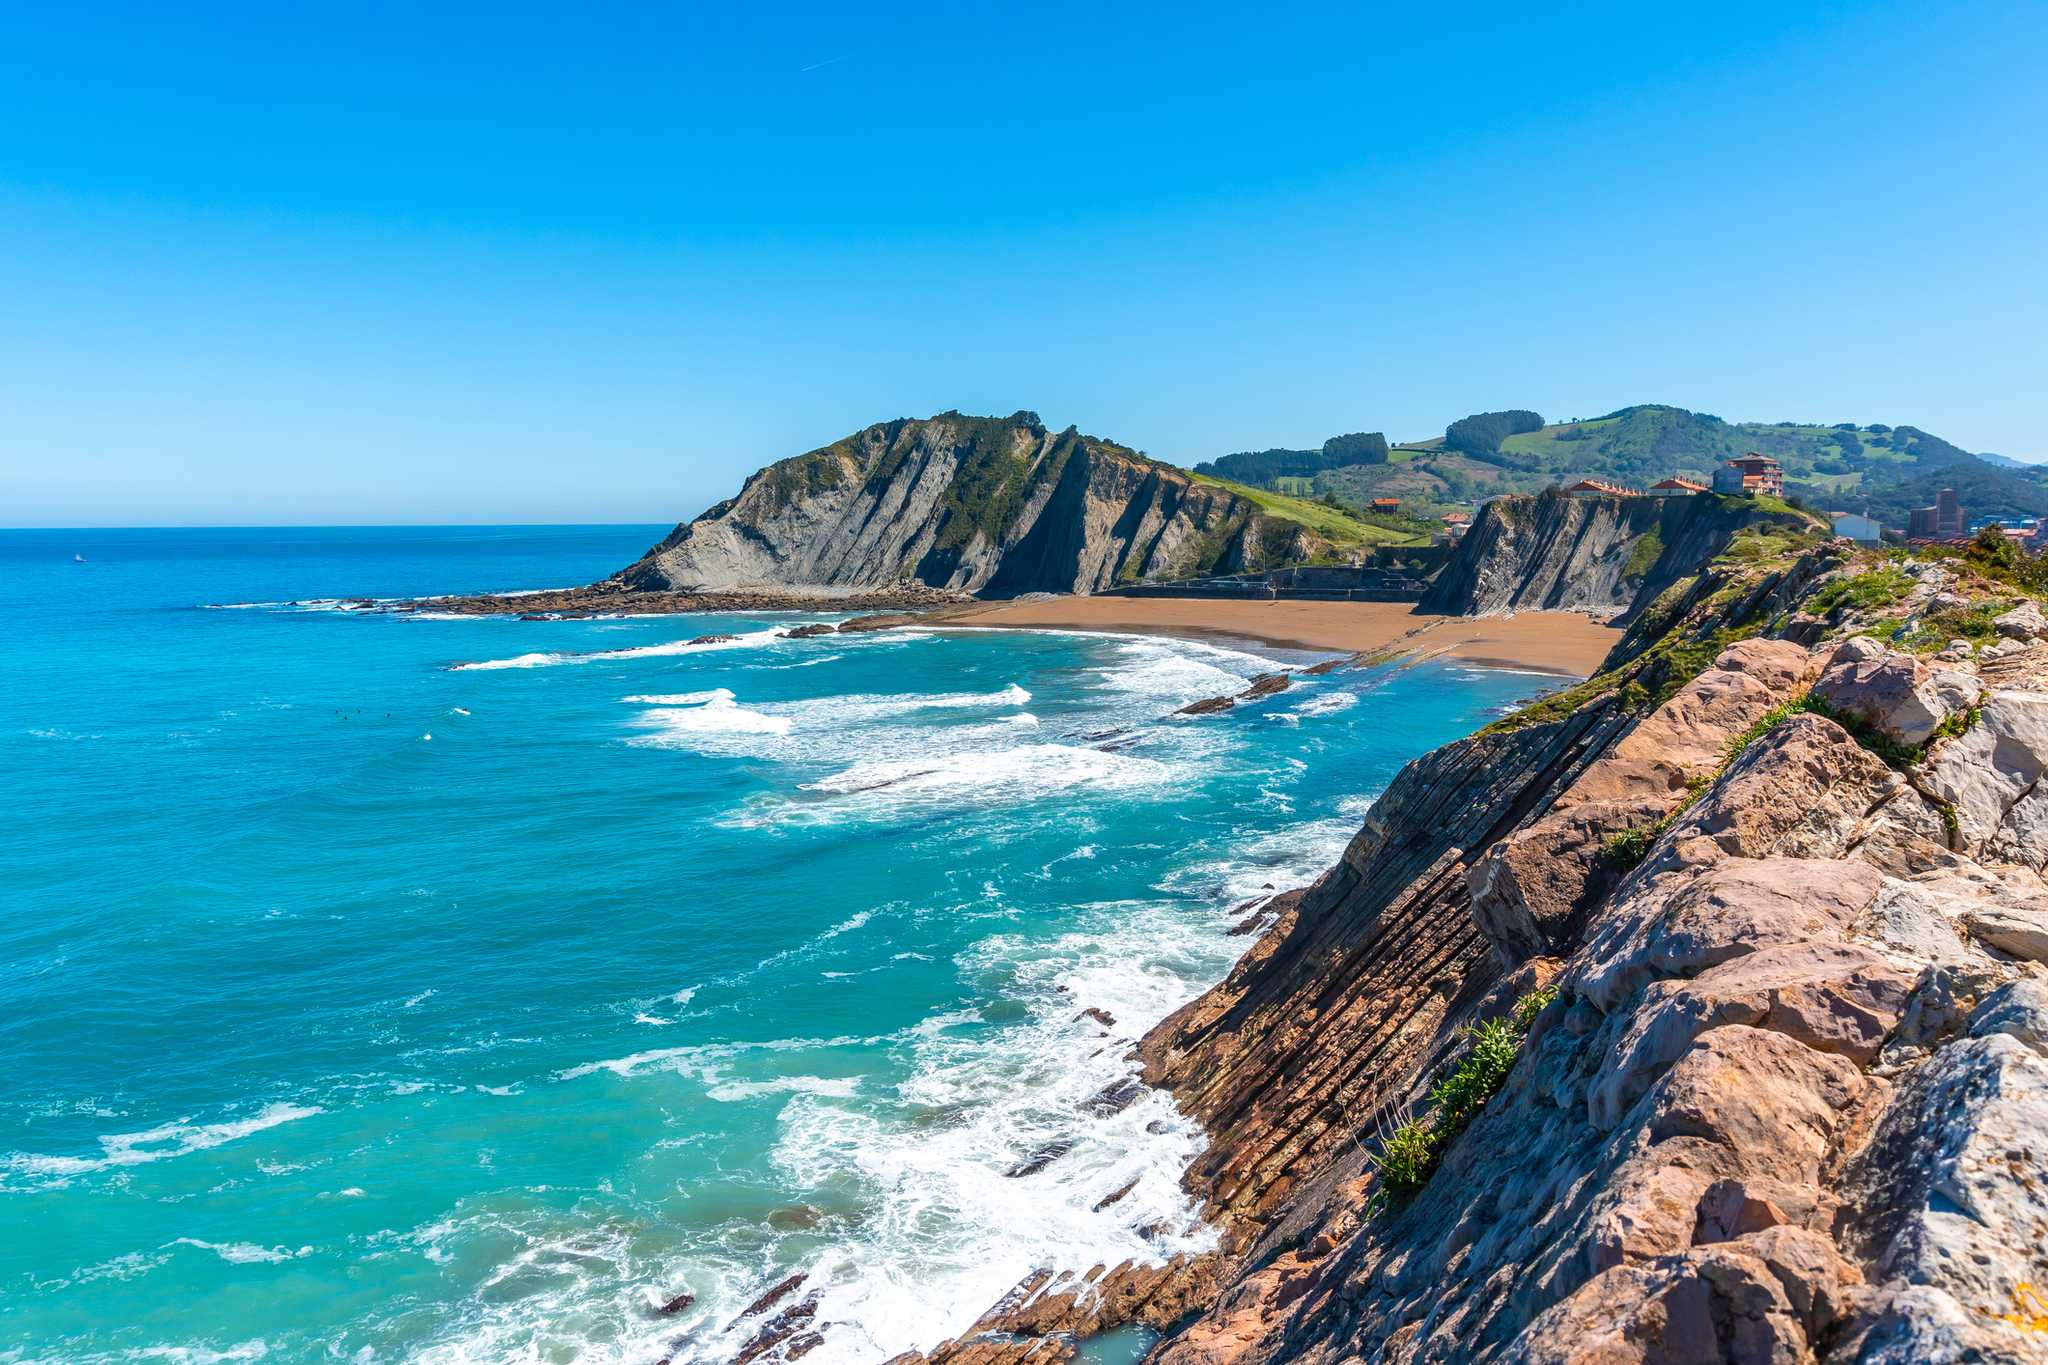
[1789, 1101]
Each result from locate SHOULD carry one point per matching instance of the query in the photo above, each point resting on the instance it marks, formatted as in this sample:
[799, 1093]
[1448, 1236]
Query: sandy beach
[1550, 641]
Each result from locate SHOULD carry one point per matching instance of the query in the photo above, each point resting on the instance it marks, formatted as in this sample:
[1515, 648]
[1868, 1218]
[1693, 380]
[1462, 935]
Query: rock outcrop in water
[990, 506]
[1765, 905]
[1555, 553]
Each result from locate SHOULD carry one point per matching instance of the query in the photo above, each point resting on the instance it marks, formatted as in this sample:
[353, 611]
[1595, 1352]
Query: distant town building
[1857, 527]
[1752, 474]
[1456, 524]
[1600, 488]
[1386, 504]
[1943, 521]
[1677, 486]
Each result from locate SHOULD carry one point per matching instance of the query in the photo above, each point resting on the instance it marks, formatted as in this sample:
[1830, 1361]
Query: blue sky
[284, 264]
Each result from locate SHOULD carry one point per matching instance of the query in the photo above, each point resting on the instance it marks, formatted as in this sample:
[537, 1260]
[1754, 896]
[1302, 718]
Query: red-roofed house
[1752, 474]
[1600, 488]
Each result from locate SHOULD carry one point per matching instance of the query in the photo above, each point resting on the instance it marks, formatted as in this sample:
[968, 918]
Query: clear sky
[509, 262]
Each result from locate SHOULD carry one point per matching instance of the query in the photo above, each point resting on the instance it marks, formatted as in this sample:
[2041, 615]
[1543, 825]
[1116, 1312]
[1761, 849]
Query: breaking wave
[154, 1144]
[555, 658]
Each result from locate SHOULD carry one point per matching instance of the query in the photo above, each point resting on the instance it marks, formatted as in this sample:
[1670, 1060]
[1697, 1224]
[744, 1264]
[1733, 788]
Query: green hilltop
[1881, 470]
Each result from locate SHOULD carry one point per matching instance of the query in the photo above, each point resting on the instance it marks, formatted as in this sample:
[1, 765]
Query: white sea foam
[991, 1154]
[1002, 1129]
[729, 1092]
[256, 1349]
[705, 1061]
[752, 640]
[154, 1144]
[244, 1253]
[924, 1226]
[855, 921]
[1022, 773]
[517, 661]
[717, 715]
[1288, 857]
[681, 698]
[871, 707]
[845, 727]
[1327, 703]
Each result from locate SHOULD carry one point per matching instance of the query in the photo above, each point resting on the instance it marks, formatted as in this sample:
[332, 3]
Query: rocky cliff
[1550, 552]
[1695, 1014]
[985, 505]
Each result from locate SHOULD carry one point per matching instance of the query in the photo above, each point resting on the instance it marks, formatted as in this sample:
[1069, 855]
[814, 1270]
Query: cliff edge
[1551, 552]
[1698, 1013]
[990, 506]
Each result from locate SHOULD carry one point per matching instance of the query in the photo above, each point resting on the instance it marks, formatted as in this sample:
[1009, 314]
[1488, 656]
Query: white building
[1857, 527]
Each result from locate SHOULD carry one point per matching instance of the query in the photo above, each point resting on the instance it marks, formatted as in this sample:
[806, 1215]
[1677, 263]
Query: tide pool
[426, 989]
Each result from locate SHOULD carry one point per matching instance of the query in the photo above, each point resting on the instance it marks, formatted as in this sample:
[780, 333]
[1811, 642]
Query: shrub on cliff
[1409, 1155]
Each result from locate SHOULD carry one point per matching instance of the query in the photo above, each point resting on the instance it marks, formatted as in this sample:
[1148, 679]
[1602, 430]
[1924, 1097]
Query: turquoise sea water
[376, 988]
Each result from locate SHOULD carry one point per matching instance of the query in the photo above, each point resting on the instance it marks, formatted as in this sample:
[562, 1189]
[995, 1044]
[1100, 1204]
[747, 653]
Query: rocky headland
[1695, 1013]
[983, 505]
[926, 513]
[1551, 552]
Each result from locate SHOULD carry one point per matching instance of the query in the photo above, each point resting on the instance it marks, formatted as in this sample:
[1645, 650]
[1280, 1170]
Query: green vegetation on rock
[1647, 550]
[1880, 587]
[1343, 529]
[1409, 1155]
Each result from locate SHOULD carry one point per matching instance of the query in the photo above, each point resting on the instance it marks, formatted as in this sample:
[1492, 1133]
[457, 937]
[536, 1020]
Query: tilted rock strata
[967, 504]
[1789, 1101]
[1555, 553]
[1787, 1104]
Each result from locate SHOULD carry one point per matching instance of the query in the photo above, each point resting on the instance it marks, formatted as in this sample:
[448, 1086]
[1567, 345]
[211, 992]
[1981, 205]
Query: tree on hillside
[1481, 434]
[1360, 447]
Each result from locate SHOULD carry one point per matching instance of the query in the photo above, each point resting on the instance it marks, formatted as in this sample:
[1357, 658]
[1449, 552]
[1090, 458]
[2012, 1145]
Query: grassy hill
[1344, 528]
[1876, 469]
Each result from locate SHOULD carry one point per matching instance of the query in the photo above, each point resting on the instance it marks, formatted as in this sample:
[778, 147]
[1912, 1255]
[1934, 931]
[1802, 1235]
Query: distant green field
[1879, 470]
[1342, 530]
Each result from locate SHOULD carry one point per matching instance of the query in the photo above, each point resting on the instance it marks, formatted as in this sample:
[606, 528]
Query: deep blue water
[355, 1004]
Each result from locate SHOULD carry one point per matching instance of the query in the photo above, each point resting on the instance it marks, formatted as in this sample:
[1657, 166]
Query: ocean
[385, 988]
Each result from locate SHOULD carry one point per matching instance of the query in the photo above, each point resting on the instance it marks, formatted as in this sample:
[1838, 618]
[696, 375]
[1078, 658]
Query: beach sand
[1550, 641]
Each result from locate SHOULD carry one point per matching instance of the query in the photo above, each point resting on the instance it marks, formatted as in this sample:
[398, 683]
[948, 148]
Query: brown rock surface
[1531, 891]
[1786, 1105]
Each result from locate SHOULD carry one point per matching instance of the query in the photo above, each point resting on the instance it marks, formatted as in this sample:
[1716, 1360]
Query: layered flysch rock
[990, 506]
[1556, 553]
[1780, 911]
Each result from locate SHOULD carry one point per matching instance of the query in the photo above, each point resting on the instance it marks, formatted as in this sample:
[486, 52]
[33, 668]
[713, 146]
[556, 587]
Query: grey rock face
[1893, 693]
[1581, 554]
[1947, 1192]
[1991, 776]
[972, 504]
[2024, 622]
[1921, 1325]
[2018, 931]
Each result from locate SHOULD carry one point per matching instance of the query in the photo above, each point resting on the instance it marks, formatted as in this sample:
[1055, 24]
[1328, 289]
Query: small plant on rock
[1410, 1153]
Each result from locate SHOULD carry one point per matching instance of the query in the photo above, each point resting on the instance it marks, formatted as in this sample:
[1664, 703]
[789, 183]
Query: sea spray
[492, 1047]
